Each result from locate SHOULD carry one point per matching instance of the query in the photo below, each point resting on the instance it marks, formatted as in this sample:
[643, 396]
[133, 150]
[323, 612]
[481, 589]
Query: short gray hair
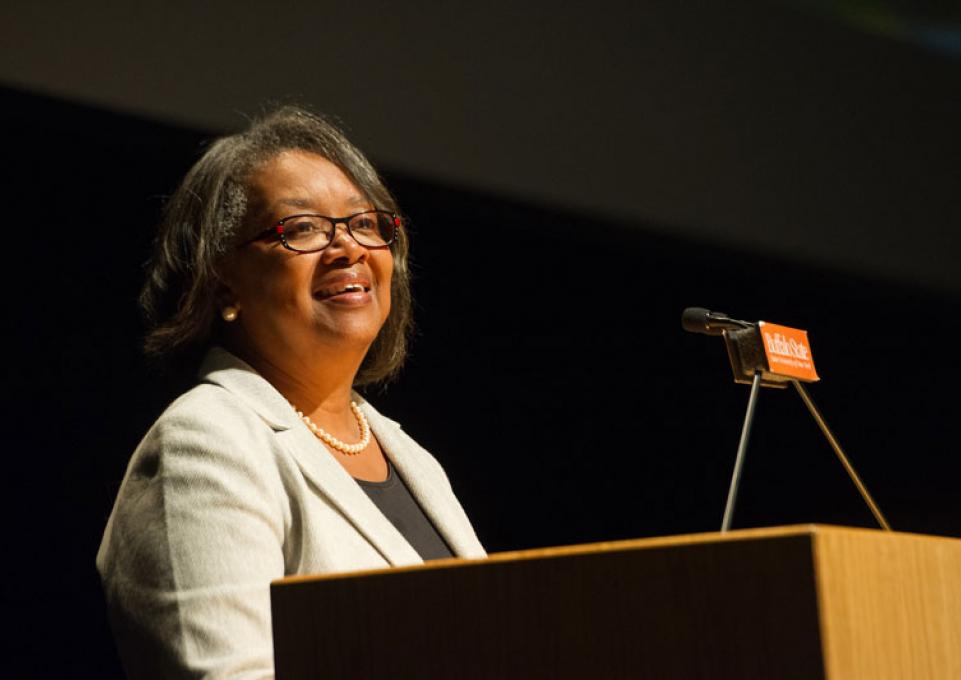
[202, 220]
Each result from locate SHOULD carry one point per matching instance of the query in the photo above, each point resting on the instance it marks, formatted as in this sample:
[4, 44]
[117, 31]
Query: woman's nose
[343, 246]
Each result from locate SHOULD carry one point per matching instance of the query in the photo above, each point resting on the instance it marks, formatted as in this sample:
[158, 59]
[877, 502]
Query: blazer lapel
[427, 483]
[315, 461]
[330, 479]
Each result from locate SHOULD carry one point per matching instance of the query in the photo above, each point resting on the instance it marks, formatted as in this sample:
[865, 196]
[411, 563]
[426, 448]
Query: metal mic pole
[741, 450]
[844, 459]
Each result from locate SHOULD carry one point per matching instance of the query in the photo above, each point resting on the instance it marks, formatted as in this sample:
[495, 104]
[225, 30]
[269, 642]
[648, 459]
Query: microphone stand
[863, 490]
[741, 450]
[746, 353]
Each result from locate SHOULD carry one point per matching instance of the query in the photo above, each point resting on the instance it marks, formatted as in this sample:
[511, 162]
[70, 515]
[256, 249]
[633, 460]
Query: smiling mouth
[341, 290]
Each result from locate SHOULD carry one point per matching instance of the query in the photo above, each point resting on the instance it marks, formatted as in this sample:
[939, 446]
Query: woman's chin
[348, 332]
[353, 318]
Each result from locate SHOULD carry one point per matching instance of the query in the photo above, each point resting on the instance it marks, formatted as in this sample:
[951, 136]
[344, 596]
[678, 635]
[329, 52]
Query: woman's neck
[320, 389]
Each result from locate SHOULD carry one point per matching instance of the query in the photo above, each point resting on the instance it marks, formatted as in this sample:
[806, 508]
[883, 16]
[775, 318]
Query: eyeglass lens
[313, 232]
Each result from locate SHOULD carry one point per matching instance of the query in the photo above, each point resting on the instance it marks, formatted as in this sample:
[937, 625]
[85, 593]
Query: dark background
[796, 162]
[549, 375]
[820, 131]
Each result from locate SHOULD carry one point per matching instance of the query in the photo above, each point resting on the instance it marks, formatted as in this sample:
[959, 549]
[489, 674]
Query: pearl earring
[229, 313]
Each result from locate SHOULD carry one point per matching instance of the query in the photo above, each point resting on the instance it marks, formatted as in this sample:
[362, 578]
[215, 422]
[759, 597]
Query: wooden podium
[790, 602]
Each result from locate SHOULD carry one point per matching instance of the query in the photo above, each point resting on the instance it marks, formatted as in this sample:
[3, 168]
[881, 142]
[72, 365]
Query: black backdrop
[549, 373]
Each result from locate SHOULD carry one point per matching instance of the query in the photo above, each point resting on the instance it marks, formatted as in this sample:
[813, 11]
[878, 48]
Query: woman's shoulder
[207, 428]
[206, 407]
[203, 401]
[230, 395]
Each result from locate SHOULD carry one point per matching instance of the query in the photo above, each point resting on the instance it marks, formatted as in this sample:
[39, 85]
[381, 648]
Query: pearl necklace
[343, 447]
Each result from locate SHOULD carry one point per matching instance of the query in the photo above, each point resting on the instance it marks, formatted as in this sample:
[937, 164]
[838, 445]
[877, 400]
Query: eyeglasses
[309, 233]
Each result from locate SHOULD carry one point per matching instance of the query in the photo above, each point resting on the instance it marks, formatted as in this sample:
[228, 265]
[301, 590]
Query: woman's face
[294, 305]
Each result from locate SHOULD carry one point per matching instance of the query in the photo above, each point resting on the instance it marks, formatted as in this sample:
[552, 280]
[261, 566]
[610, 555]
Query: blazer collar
[319, 466]
[220, 367]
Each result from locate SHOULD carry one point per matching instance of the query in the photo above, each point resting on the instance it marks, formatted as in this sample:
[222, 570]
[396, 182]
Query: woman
[271, 465]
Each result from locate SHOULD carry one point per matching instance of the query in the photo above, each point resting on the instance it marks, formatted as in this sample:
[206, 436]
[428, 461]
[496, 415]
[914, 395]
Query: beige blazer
[228, 491]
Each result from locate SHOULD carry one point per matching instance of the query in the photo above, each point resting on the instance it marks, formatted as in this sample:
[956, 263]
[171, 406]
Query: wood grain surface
[791, 602]
[890, 604]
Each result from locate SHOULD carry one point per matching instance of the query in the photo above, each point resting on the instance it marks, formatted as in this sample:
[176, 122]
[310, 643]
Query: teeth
[347, 288]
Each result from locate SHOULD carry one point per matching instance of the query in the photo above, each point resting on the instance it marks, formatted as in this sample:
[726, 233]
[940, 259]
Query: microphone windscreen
[695, 320]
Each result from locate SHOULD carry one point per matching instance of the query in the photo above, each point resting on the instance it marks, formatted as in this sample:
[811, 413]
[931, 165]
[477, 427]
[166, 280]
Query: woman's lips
[351, 292]
[348, 299]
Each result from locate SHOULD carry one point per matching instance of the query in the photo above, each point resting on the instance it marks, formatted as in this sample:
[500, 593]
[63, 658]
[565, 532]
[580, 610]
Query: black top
[394, 499]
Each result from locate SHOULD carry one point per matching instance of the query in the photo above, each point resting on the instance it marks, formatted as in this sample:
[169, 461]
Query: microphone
[700, 320]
